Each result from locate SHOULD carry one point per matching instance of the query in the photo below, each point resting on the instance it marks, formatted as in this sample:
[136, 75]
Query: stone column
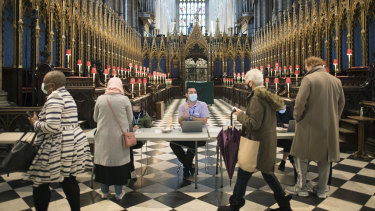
[3, 94]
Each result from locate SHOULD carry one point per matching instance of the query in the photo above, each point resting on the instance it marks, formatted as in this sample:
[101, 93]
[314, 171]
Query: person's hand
[33, 119]
[286, 125]
[135, 127]
[238, 111]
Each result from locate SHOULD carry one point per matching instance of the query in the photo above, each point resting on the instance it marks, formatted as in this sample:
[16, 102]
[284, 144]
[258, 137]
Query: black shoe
[284, 203]
[186, 173]
[282, 165]
[295, 176]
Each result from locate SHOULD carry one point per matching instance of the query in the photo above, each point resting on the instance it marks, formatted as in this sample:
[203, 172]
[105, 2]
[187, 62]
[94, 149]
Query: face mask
[193, 97]
[136, 113]
[43, 90]
[282, 111]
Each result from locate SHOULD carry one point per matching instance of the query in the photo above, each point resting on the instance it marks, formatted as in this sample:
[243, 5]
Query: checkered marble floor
[163, 188]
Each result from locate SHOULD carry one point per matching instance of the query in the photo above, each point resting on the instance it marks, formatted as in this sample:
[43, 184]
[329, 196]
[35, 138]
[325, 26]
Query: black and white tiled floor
[162, 187]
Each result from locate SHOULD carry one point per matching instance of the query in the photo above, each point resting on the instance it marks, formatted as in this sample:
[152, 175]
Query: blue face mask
[282, 111]
[193, 97]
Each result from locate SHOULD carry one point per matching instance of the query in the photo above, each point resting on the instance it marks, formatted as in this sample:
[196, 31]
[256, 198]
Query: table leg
[92, 177]
[361, 141]
[196, 165]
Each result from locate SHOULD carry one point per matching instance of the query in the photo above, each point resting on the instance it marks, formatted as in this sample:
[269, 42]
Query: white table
[13, 137]
[156, 134]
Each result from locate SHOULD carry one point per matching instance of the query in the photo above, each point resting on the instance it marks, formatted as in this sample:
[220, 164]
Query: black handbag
[21, 156]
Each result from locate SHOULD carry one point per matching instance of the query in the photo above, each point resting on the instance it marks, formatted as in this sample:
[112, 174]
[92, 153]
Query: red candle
[297, 72]
[139, 81]
[93, 70]
[79, 62]
[288, 81]
[130, 65]
[277, 65]
[335, 62]
[269, 66]
[276, 80]
[68, 52]
[267, 80]
[105, 71]
[349, 52]
[297, 66]
[145, 80]
[88, 64]
[132, 81]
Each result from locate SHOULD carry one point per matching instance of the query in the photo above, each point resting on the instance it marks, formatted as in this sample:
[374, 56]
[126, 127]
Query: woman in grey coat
[110, 158]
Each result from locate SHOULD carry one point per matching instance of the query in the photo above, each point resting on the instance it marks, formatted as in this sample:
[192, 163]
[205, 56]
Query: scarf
[114, 87]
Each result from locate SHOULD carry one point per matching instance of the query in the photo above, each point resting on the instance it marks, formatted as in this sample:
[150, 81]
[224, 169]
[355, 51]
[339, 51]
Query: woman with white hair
[259, 123]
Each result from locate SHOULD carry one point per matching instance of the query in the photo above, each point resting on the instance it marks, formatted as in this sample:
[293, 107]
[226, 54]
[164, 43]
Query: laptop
[191, 126]
[292, 126]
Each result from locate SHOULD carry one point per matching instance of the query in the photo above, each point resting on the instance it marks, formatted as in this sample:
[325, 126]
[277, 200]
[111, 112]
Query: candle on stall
[68, 53]
[93, 72]
[238, 77]
[267, 80]
[268, 69]
[288, 82]
[118, 72]
[144, 72]
[130, 68]
[261, 69]
[114, 73]
[154, 76]
[335, 63]
[243, 77]
[122, 72]
[297, 73]
[132, 82]
[349, 53]
[88, 64]
[136, 69]
[290, 70]
[105, 76]
[79, 63]
[276, 81]
[139, 81]
[145, 84]
[285, 71]
[113, 70]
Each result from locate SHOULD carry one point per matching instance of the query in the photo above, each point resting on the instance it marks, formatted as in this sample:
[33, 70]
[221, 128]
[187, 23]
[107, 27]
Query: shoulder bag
[248, 154]
[128, 138]
[21, 156]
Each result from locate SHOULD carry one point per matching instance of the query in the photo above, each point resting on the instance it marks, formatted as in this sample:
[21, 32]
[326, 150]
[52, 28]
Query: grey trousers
[301, 168]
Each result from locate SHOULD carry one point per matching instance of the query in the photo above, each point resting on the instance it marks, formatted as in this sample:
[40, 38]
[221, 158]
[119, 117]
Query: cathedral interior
[157, 48]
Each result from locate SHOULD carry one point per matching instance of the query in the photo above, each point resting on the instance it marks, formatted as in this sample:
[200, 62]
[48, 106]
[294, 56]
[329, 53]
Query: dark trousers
[185, 158]
[42, 194]
[286, 144]
[137, 146]
[237, 199]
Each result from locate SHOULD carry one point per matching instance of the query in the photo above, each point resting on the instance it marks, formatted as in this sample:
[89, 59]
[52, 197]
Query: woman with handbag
[113, 114]
[259, 125]
[141, 119]
[64, 150]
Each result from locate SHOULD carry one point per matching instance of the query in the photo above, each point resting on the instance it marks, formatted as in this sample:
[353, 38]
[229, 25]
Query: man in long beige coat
[318, 107]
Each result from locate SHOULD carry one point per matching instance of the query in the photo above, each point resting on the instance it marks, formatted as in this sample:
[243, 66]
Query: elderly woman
[259, 123]
[64, 151]
[110, 158]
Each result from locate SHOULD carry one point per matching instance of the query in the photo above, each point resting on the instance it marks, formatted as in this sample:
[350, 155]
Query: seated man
[141, 119]
[283, 116]
[192, 110]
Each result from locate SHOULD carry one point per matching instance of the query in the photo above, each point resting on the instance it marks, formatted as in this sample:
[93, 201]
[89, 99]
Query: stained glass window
[187, 12]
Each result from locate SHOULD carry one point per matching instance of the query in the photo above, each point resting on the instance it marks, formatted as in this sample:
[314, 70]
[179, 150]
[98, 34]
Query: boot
[282, 165]
[284, 203]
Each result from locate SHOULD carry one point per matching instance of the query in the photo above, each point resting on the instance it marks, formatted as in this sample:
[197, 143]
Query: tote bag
[248, 154]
